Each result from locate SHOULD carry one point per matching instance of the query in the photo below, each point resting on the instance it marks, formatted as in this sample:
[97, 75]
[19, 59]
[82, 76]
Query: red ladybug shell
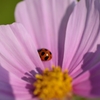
[45, 54]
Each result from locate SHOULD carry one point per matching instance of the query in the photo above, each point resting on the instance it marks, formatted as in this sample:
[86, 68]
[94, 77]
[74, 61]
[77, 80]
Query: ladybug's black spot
[50, 53]
[46, 50]
[42, 53]
[46, 58]
[39, 50]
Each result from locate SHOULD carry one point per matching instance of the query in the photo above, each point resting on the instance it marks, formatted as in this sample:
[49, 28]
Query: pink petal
[12, 87]
[43, 21]
[82, 35]
[88, 83]
[18, 53]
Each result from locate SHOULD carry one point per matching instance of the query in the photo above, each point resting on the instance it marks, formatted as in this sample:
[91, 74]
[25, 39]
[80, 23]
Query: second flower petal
[43, 20]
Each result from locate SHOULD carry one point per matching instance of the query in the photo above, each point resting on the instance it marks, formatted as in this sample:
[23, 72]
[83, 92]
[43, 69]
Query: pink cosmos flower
[71, 34]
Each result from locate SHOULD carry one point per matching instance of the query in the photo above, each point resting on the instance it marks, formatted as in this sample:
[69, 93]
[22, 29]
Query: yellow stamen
[53, 84]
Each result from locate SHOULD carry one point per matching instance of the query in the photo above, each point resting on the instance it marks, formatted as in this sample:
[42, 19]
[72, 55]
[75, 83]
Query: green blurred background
[7, 8]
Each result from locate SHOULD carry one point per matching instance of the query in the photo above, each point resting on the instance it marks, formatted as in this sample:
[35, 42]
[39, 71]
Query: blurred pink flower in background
[71, 33]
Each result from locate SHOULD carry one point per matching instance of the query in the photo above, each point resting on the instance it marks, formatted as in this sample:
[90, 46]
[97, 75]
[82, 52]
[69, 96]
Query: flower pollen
[53, 84]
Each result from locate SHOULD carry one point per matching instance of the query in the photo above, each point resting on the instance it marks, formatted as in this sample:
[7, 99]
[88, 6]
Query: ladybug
[45, 54]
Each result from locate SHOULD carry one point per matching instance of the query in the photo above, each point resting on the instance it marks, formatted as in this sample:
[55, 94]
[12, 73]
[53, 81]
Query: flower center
[53, 84]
